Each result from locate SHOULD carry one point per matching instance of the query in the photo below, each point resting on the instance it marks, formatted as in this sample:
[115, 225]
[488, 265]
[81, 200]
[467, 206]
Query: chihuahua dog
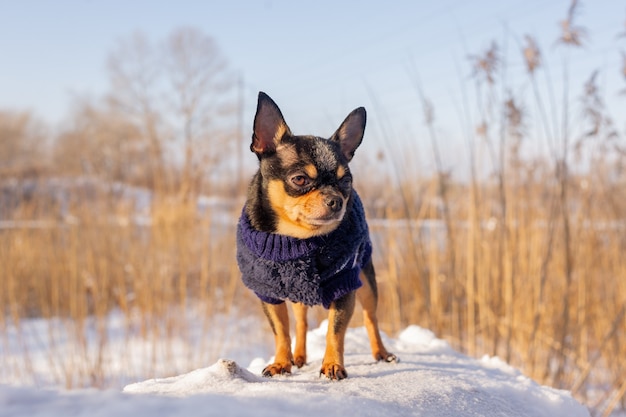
[302, 237]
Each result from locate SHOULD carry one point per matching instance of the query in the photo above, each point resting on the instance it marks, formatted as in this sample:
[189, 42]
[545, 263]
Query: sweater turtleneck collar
[275, 247]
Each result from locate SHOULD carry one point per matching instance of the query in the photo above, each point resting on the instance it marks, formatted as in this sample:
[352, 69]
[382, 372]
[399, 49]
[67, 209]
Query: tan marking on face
[311, 171]
[280, 132]
[295, 214]
[341, 171]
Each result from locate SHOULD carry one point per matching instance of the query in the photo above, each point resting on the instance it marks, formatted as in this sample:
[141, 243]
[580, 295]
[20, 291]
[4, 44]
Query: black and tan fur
[302, 189]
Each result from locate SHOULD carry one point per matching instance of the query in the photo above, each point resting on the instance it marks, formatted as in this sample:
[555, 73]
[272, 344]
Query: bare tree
[175, 93]
[104, 143]
[134, 74]
[196, 71]
[23, 144]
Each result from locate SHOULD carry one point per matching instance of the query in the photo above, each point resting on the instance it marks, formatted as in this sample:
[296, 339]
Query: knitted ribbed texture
[312, 271]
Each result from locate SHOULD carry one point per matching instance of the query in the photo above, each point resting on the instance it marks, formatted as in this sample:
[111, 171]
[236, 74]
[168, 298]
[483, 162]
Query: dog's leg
[279, 321]
[340, 313]
[368, 297]
[302, 326]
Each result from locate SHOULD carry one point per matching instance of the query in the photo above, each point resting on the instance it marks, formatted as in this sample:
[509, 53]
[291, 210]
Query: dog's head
[304, 181]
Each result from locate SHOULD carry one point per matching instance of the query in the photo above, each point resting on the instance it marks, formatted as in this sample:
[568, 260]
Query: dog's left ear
[269, 126]
[350, 133]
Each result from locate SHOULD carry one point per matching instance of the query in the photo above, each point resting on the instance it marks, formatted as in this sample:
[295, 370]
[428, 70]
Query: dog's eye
[300, 180]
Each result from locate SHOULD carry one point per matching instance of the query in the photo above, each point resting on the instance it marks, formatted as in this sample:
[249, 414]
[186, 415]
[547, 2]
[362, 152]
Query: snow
[431, 379]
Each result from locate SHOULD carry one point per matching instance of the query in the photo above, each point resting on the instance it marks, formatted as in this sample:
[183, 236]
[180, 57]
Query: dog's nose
[334, 203]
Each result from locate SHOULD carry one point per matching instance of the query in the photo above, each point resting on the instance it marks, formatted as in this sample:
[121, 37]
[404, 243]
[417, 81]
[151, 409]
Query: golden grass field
[539, 286]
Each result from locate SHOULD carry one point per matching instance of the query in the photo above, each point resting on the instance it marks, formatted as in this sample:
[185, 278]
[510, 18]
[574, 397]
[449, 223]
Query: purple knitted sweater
[313, 271]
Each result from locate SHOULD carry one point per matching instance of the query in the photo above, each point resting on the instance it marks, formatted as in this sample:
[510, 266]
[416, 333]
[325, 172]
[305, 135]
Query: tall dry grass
[488, 280]
[159, 272]
[509, 287]
[532, 264]
[498, 266]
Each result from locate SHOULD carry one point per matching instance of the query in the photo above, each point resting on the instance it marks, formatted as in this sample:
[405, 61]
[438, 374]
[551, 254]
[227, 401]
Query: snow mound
[430, 380]
[224, 376]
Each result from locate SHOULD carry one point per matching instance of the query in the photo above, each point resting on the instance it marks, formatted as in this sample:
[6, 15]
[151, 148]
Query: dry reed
[98, 259]
[486, 264]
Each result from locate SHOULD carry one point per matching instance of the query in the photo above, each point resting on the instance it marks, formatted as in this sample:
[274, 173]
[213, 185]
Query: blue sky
[317, 59]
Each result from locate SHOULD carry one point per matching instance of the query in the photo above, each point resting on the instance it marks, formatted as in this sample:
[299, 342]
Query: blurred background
[492, 171]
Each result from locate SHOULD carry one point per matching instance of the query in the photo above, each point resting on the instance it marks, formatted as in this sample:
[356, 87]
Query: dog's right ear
[269, 126]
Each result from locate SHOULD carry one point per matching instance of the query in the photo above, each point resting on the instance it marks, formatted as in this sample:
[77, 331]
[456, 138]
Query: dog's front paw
[277, 369]
[299, 361]
[334, 371]
[386, 357]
